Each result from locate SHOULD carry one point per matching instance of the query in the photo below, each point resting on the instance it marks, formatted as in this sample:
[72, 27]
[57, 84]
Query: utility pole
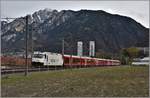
[26, 42]
[31, 43]
[71, 50]
[26, 62]
[63, 47]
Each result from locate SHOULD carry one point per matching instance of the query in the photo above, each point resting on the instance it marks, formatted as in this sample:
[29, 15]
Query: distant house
[144, 49]
[143, 61]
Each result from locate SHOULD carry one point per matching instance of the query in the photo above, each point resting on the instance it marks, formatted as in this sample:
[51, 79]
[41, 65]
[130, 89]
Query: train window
[38, 55]
[90, 61]
[76, 60]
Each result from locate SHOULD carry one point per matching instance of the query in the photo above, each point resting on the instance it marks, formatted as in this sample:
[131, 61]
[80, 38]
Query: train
[58, 60]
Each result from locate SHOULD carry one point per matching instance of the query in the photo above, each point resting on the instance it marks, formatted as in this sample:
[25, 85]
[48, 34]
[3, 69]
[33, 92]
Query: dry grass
[86, 82]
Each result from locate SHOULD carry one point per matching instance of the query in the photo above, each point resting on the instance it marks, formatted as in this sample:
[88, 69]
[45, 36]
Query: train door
[45, 59]
[108, 62]
[96, 62]
[85, 62]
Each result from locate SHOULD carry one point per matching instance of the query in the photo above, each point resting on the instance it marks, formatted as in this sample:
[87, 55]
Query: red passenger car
[77, 61]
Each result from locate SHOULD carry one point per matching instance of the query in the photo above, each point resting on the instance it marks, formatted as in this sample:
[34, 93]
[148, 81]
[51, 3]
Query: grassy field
[86, 82]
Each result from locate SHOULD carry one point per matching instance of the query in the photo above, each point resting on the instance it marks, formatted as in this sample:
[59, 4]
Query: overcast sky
[138, 10]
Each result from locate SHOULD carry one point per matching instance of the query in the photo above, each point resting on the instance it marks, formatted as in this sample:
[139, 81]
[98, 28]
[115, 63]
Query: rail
[21, 70]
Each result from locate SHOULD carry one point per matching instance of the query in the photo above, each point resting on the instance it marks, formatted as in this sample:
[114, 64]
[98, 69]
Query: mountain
[109, 31]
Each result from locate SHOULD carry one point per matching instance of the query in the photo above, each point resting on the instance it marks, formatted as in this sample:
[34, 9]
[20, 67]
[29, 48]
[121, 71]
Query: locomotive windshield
[38, 55]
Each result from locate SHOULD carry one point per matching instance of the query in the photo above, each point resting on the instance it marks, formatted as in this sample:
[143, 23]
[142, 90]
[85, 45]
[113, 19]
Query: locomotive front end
[38, 59]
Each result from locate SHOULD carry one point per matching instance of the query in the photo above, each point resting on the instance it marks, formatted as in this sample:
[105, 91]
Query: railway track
[40, 69]
[22, 70]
